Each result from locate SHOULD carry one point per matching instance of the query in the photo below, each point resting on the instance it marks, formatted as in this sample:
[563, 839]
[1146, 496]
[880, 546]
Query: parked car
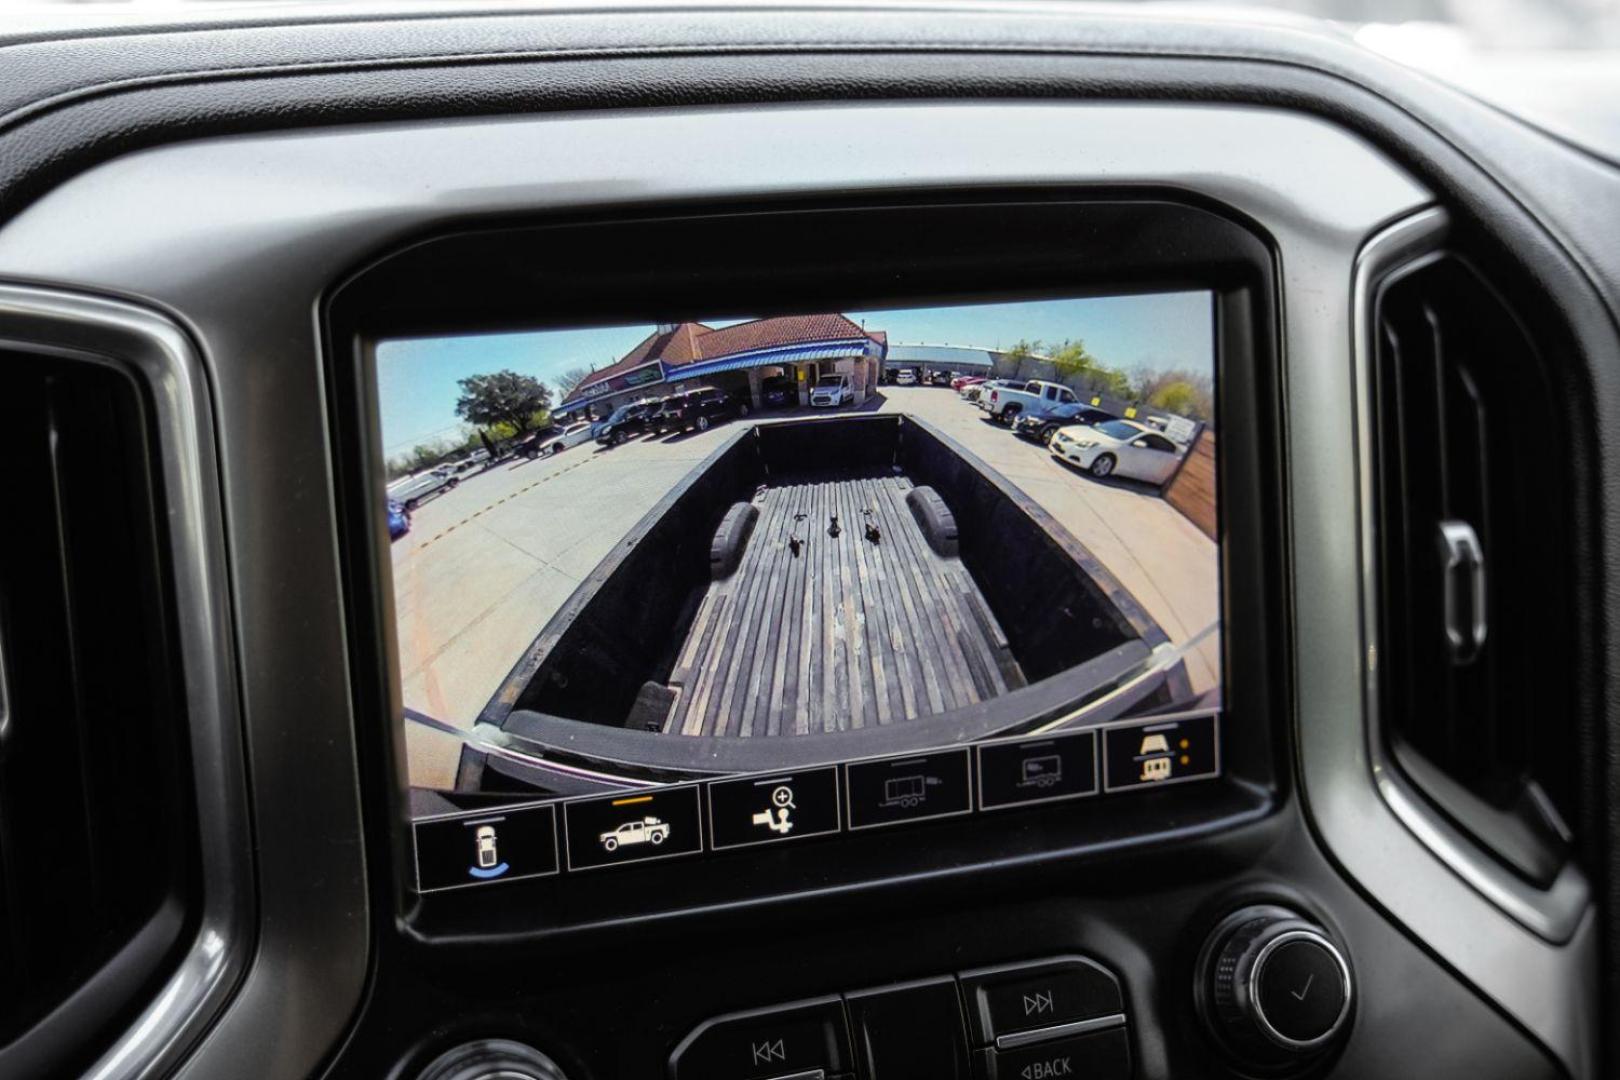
[699, 409]
[627, 421]
[529, 445]
[779, 392]
[905, 377]
[831, 391]
[959, 382]
[399, 522]
[459, 467]
[976, 392]
[412, 491]
[572, 435]
[1117, 448]
[1006, 403]
[938, 378]
[1041, 426]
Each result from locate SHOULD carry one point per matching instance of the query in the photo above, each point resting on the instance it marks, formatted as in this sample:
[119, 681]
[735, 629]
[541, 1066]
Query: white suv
[831, 391]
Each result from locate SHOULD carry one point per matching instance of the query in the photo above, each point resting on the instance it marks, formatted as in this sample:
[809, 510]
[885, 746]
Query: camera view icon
[1157, 767]
[648, 830]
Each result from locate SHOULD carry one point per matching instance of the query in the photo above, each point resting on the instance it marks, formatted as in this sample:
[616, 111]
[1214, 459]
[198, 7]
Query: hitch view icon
[775, 817]
[649, 830]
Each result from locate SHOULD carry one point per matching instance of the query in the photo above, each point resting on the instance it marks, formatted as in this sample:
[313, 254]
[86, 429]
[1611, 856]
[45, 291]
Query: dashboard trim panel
[310, 206]
[1421, 876]
[162, 357]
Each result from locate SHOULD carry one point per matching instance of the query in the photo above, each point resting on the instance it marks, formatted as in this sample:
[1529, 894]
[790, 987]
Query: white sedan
[572, 435]
[1117, 448]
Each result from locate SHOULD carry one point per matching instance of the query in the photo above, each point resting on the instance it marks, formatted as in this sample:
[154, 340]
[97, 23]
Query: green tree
[1186, 393]
[1076, 366]
[1178, 397]
[504, 398]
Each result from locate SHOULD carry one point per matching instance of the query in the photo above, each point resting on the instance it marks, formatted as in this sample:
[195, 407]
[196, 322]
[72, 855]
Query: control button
[1158, 752]
[1104, 1055]
[1273, 987]
[1024, 771]
[660, 823]
[481, 847]
[897, 790]
[1300, 988]
[910, 1032]
[1024, 997]
[803, 1038]
[789, 806]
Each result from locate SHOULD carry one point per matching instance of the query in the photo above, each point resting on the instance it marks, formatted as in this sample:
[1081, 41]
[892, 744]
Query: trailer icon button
[896, 790]
[1050, 768]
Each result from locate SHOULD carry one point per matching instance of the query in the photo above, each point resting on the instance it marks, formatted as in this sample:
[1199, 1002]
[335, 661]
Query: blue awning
[800, 353]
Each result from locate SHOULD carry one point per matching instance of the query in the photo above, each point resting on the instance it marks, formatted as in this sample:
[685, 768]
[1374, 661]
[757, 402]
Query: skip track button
[1014, 998]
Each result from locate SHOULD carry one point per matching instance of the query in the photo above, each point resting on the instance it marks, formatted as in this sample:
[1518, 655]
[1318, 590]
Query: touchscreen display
[674, 589]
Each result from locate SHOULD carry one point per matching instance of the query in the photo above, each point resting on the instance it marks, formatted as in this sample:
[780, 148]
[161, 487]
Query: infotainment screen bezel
[936, 248]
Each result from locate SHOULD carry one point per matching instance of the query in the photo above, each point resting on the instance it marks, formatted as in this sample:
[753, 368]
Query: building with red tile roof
[678, 352]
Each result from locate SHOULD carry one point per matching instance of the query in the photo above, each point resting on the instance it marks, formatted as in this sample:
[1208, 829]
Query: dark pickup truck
[627, 422]
[699, 409]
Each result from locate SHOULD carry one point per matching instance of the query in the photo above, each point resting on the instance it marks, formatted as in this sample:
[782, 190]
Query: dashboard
[772, 543]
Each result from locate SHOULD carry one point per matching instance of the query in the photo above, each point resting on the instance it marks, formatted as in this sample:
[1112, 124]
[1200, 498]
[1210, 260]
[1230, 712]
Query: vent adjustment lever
[1464, 590]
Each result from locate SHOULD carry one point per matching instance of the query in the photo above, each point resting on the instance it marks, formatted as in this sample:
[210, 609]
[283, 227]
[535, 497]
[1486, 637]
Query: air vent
[96, 860]
[1473, 463]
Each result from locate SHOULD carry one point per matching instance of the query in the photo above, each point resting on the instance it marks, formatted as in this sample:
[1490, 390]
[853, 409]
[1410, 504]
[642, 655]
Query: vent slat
[1457, 387]
[95, 823]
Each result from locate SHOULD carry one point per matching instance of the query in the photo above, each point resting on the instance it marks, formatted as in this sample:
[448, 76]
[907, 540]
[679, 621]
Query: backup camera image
[636, 555]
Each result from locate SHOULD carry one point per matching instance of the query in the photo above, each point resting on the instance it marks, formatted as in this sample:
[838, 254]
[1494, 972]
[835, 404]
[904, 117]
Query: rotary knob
[492, 1059]
[1274, 988]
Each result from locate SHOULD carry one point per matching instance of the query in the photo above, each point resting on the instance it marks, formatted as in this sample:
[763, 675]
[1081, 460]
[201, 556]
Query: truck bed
[847, 633]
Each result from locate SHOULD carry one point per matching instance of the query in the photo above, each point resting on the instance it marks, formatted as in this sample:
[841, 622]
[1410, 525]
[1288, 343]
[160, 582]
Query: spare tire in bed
[731, 538]
[935, 519]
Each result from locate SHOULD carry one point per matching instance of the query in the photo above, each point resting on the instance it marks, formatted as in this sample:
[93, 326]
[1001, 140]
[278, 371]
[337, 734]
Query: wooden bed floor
[847, 634]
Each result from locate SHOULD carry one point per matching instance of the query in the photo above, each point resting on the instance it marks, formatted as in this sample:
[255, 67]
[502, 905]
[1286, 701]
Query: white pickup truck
[1007, 403]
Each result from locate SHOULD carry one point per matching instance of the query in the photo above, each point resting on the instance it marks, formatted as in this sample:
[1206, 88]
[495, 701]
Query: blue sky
[417, 377]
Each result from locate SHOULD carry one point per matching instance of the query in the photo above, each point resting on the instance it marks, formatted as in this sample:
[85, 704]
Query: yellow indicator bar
[632, 802]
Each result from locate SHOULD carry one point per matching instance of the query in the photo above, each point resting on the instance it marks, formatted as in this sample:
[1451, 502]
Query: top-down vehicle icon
[485, 839]
[649, 830]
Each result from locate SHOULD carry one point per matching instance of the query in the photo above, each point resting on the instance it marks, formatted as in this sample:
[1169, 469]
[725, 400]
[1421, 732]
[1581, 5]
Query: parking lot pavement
[486, 565]
[1162, 558]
